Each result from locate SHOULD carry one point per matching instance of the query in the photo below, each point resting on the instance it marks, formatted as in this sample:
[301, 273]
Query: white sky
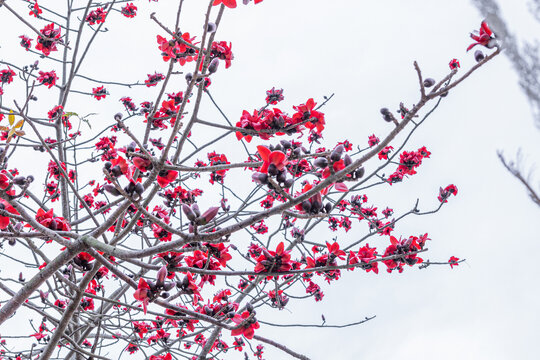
[486, 308]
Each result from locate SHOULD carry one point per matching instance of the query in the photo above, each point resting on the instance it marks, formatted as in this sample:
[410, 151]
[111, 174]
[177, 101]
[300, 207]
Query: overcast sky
[487, 307]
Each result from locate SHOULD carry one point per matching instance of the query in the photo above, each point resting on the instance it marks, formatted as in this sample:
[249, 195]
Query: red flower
[165, 177]
[99, 92]
[383, 154]
[373, 140]
[228, 3]
[248, 328]
[96, 16]
[222, 50]
[453, 261]
[154, 79]
[306, 112]
[35, 11]
[26, 42]
[274, 261]
[483, 37]
[445, 193]
[167, 356]
[454, 64]
[129, 10]
[6, 75]
[4, 220]
[48, 220]
[276, 158]
[48, 78]
[274, 96]
[49, 44]
[143, 293]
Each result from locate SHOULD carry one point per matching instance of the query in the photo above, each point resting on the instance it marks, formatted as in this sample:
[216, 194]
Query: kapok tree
[135, 236]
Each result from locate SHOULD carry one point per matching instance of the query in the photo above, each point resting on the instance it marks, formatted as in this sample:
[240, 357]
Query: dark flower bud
[189, 213]
[429, 82]
[130, 188]
[347, 160]
[139, 188]
[131, 147]
[111, 189]
[328, 207]
[116, 171]
[108, 165]
[272, 170]
[211, 27]
[320, 162]
[189, 77]
[297, 152]
[118, 116]
[479, 55]
[385, 111]
[18, 226]
[12, 241]
[263, 178]
[212, 68]
[249, 307]
[288, 183]
[281, 177]
[30, 178]
[151, 284]
[336, 155]
[19, 180]
[168, 286]
[286, 144]
[278, 147]
[53, 225]
[21, 277]
[306, 206]
[164, 295]
[360, 172]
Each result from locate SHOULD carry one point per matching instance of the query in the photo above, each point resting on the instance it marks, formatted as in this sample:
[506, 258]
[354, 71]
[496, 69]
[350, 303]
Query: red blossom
[129, 10]
[47, 42]
[248, 326]
[483, 37]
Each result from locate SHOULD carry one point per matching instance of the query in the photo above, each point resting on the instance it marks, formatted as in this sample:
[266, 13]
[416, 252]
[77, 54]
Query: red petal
[264, 152]
[280, 248]
[341, 187]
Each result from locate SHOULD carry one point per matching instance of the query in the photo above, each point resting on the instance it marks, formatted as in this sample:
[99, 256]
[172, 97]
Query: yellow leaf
[11, 117]
[19, 124]
[11, 132]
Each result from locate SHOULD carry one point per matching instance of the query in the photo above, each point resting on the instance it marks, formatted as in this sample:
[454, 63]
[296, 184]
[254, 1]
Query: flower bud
[320, 162]
[306, 206]
[118, 116]
[189, 213]
[19, 180]
[211, 27]
[131, 147]
[288, 183]
[210, 214]
[189, 77]
[196, 210]
[249, 307]
[161, 275]
[328, 207]
[111, 189]
[281, 177]
[164, 295]
[360, 172]
[30, 178]
[429, 82]
[286, 144]
[116, 171]
[479, 55]
[347, 160]
[139, 188]
[168, 286]
[272, 170]
[385, 111]
[212, 68]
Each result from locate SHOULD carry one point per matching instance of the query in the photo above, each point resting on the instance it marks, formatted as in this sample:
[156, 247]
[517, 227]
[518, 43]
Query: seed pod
[320, 162]
[479, 55]
[429, 82]
[214, 64]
